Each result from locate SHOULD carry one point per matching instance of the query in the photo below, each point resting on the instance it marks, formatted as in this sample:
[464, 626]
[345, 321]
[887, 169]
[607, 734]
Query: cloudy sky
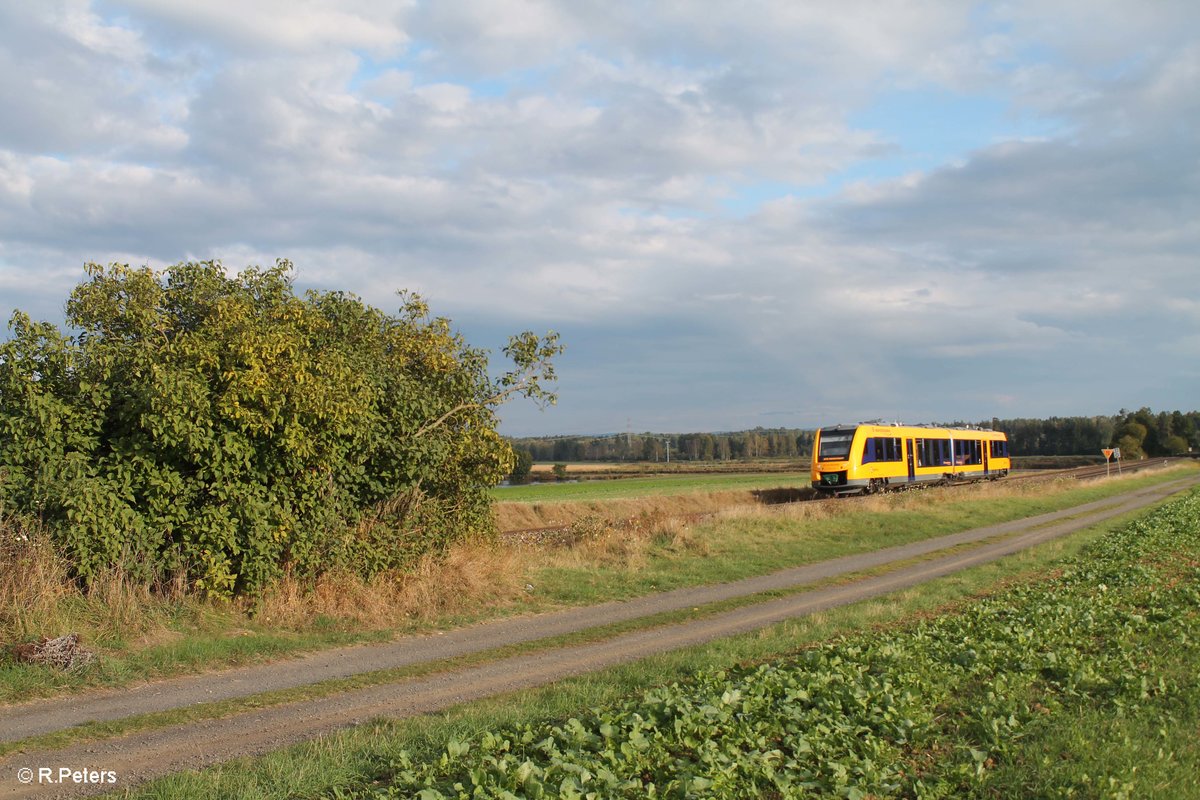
[774, 212]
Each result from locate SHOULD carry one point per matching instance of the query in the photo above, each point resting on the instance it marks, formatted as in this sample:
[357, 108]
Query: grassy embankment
[610, 469]
[647, 486]
[142, 635]
[1043, 674]
[623, 499]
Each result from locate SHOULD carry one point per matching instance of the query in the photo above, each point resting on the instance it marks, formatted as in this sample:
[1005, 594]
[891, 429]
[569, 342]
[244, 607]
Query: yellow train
[869, 458]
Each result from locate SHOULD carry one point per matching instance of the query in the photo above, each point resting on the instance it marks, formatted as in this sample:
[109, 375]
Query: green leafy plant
[225, 427]
[930, 711]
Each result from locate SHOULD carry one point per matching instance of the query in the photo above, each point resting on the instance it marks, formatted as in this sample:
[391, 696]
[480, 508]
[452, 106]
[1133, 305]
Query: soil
[144, 755]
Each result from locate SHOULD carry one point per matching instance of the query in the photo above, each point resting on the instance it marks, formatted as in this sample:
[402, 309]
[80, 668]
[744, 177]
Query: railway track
[562, 534]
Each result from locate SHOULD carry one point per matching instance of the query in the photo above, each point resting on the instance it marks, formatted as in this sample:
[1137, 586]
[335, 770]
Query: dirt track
[144, 755]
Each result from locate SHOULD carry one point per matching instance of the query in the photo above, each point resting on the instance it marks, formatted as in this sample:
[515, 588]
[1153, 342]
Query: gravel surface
[143, 755]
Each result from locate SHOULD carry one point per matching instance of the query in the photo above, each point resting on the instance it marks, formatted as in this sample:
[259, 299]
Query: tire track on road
[38, 717]
[148, 754]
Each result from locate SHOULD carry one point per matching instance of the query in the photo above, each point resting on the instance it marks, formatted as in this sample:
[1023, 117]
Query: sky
[775, 213]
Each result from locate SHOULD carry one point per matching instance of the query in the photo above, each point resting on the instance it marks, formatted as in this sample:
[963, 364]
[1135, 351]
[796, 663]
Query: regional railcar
[869, 458]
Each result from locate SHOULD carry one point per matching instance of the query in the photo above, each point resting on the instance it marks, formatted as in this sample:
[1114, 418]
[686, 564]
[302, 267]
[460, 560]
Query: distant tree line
[757, 443]
[1139, 434]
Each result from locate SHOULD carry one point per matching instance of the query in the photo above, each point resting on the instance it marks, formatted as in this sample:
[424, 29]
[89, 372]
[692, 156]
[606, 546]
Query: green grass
[225, 639]
[722, 549]
[199, 637]
[357, 759]
[203, 711]
[624, 488]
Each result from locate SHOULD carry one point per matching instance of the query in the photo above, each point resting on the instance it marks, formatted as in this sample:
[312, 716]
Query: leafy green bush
[228, 428]
[522, 466]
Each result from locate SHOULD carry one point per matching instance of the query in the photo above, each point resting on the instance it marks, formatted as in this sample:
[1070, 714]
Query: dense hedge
[229, 428]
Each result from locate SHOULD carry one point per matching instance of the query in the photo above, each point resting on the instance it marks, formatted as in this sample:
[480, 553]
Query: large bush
[230, 429]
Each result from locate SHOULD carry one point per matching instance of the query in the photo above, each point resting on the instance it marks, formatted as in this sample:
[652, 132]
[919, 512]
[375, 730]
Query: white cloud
[377, 26]
[574, 165]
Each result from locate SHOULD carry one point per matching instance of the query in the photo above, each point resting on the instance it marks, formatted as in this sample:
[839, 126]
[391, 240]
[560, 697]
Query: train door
[985, 446]
[912, 466]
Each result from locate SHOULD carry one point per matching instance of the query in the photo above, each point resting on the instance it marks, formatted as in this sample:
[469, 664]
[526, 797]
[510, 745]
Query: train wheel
[876, 486]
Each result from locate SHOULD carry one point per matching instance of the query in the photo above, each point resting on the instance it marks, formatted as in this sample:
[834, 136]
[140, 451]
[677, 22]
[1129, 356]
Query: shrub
[522, 466]
[226, 427]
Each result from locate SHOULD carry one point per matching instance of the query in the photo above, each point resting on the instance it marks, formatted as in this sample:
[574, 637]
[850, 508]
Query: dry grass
[33, 581]
[598, 466]
[597, 541]
[39, 598]
[468, 576]
[917, 500]
[622, 533]
[515, 516]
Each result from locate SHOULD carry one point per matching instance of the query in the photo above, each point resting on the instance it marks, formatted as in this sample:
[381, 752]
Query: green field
[766, 539]
[646, 487]
[1054, 682]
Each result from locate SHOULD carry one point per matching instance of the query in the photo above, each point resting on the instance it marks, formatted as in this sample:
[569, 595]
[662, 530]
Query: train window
[933, 452]
[882, 449]
[835, 445]
[967, 452]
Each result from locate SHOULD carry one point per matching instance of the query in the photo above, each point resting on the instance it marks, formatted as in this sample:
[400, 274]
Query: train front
[831, 464]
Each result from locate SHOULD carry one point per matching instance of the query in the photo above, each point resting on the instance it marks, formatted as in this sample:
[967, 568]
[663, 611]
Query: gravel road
[144, 755]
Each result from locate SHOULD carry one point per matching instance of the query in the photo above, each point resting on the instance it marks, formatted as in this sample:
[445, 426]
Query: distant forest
[1139, 434]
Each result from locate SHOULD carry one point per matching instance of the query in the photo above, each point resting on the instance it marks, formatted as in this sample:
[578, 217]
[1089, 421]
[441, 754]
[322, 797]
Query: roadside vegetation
[933, 710]
[222, 433]
[143, 634]
[1063, 671]
[629, 487]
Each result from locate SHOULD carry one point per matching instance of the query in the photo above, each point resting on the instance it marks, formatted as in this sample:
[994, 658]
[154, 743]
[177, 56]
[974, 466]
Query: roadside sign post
[1107, 460]
[1117, 455]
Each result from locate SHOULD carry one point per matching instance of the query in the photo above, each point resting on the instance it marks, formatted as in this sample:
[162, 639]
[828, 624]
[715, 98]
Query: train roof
[876, 423]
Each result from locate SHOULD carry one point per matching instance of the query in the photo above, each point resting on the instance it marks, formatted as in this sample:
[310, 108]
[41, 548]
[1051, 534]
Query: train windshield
[835, 445]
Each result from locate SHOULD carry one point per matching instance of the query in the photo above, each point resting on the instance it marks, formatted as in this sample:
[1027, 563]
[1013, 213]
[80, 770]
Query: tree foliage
[757, 443]
[1164, 433]
[230, 429]
[522, 465]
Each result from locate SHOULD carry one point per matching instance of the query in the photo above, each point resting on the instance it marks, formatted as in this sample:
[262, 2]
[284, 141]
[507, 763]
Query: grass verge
[143, 636]
[365, 759]
[645, 487]
[215, 710]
